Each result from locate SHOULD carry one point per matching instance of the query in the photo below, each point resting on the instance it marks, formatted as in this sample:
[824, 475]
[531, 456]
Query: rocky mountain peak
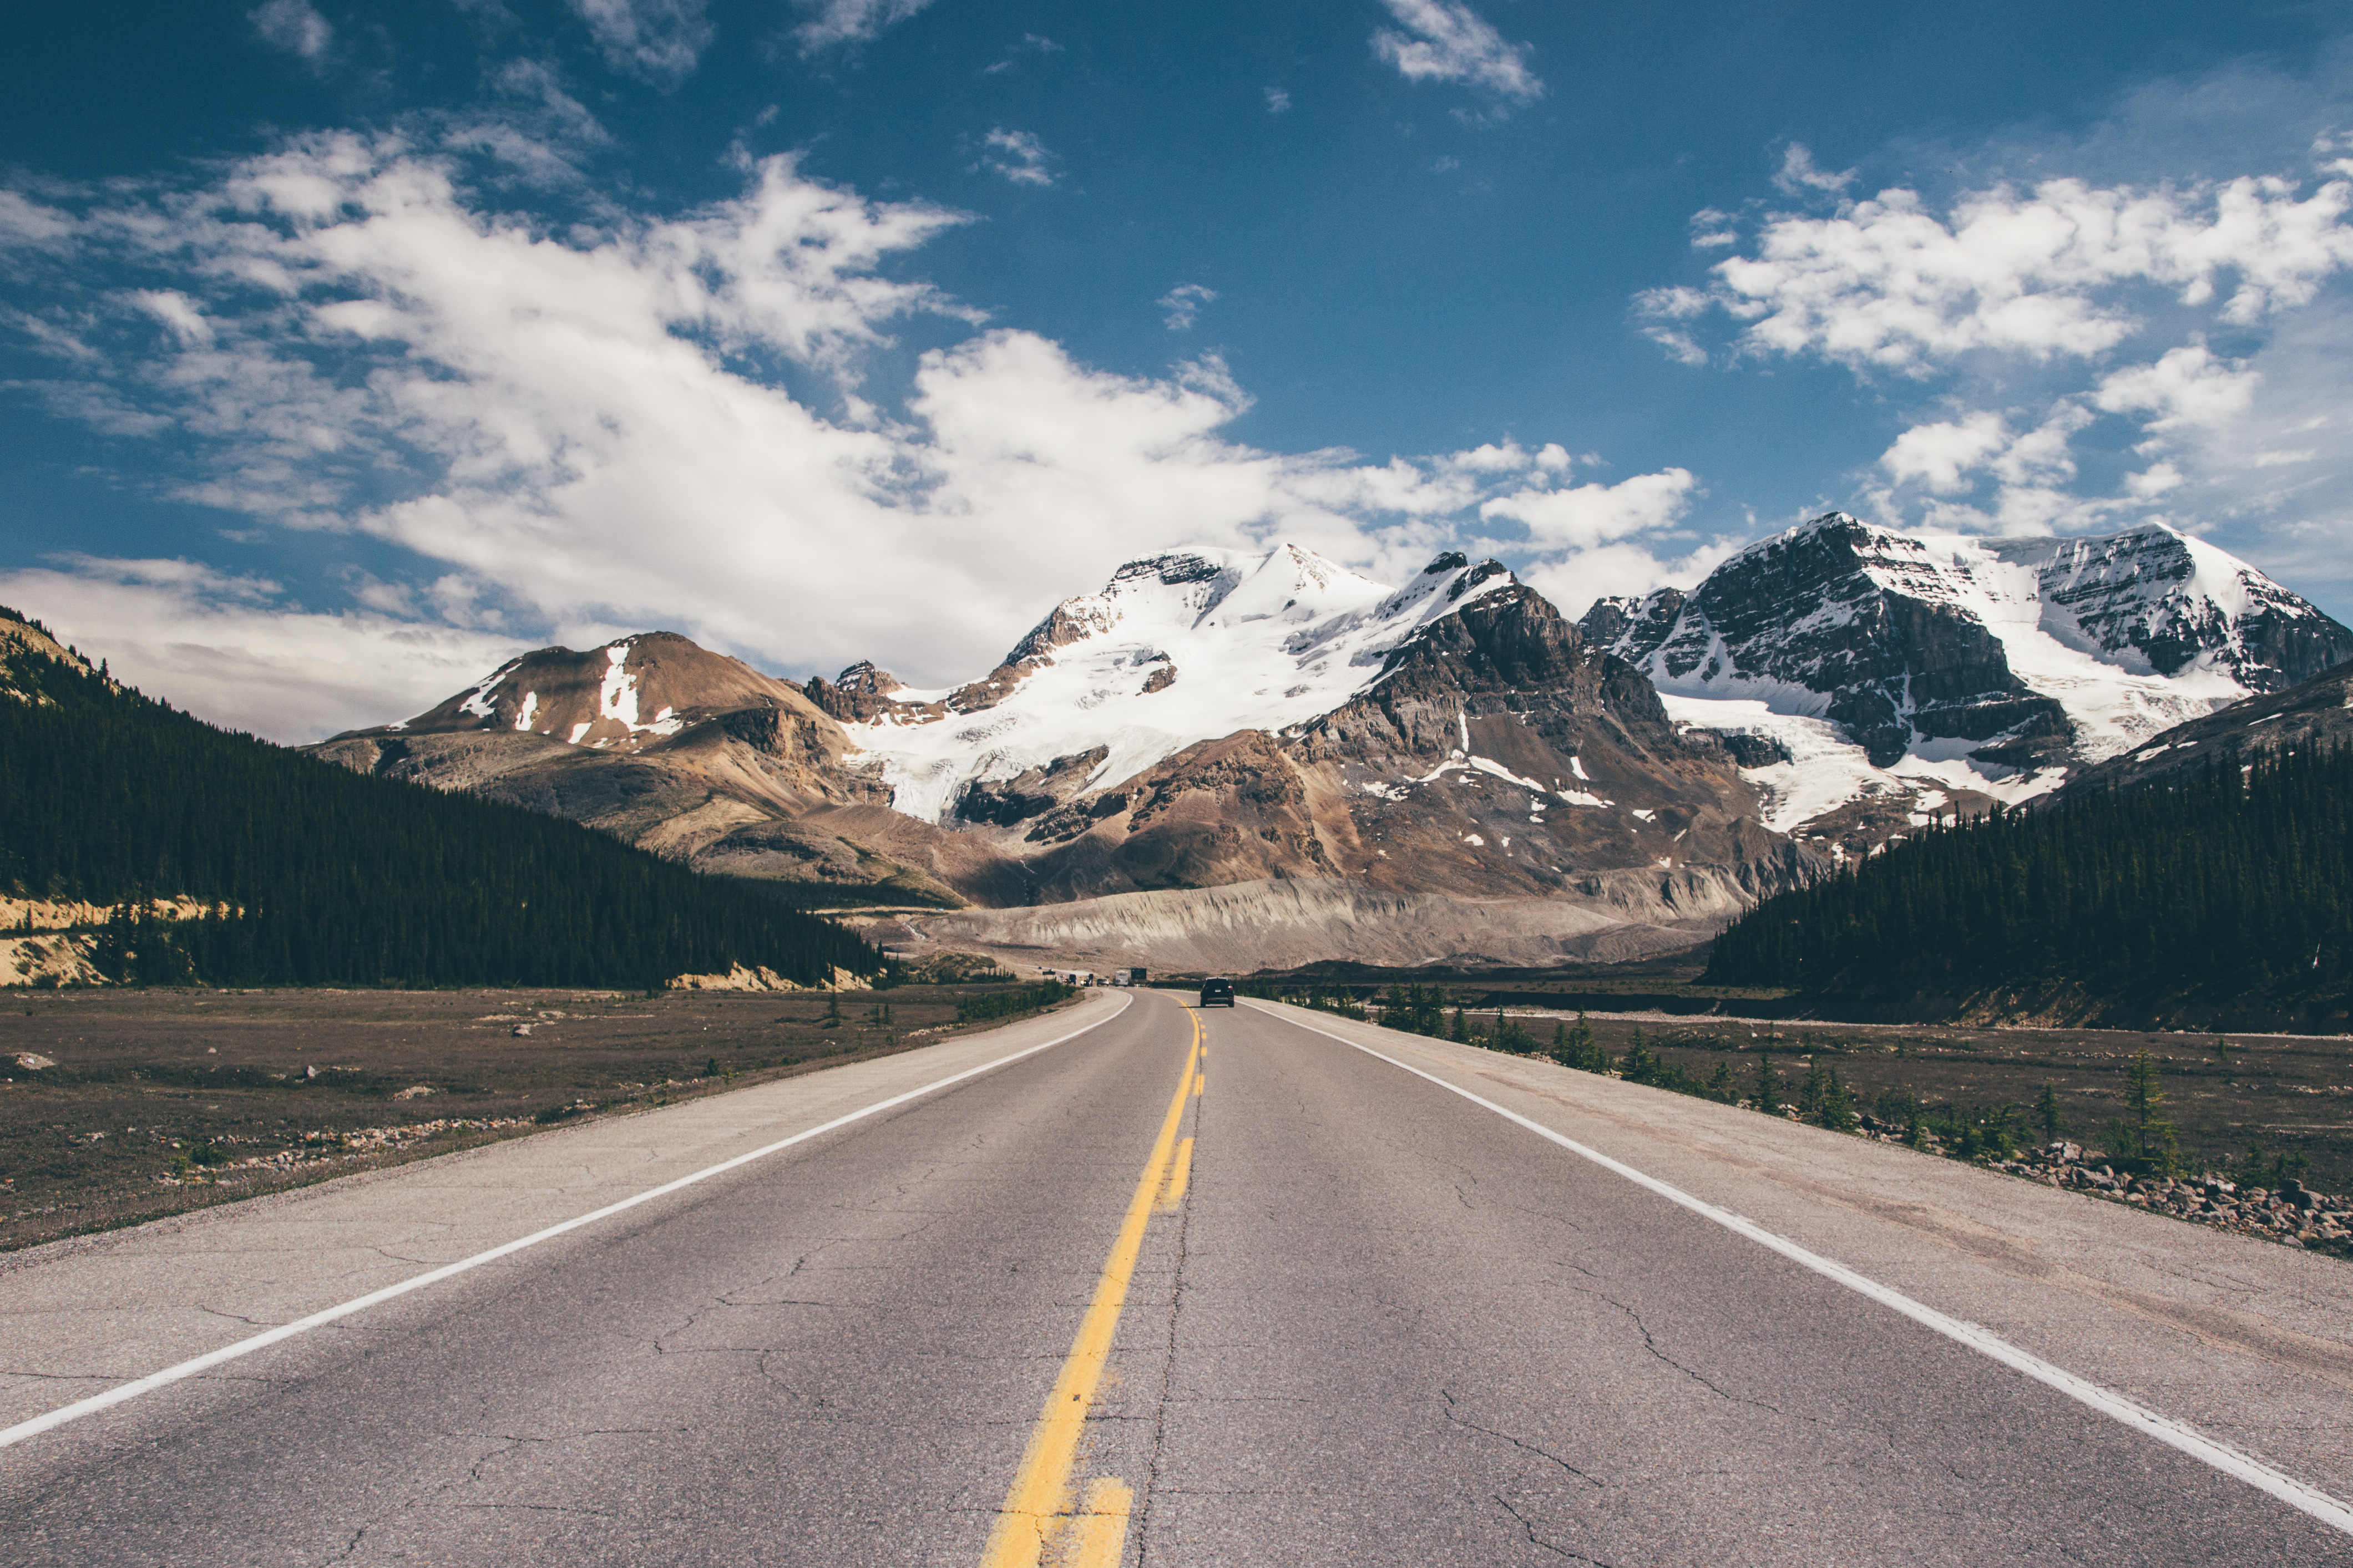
[624, 695]
[1863, 665]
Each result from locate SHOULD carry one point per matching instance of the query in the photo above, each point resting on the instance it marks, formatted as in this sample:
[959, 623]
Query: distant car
[1217, 993]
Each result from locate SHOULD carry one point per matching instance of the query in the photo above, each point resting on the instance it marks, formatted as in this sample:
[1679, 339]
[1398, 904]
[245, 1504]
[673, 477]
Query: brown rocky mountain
[1452, 762]
[663, 744]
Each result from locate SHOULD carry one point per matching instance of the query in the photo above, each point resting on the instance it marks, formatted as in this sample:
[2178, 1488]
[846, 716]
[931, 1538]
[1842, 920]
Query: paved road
[1373, 1323]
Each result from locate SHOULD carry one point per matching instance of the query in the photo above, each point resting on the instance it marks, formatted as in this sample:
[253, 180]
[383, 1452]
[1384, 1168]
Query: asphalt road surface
[1185, 1289]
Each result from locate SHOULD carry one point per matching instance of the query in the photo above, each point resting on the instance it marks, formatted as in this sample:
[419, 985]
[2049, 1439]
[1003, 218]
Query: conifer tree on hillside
[2238, 886]
[321, 876]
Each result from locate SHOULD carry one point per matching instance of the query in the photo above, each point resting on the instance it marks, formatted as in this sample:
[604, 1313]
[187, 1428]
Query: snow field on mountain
[2116, 698]
[1257, 643]
[1826, 770]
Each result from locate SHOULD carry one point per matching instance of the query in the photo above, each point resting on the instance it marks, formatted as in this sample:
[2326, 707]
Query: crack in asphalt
[234, 1317]
[1650, 1343]
[1447, 1394]
[1151, 1488]
[1535, 1540]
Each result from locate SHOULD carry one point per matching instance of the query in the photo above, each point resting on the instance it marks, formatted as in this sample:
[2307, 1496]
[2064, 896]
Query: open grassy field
[155, 1102]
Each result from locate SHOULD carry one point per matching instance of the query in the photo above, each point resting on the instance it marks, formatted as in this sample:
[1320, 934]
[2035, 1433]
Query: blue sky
[349, 347]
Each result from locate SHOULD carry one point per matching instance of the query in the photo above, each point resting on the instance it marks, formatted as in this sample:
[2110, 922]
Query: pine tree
[1824, 1100]
[2046, 1108]
[2153, 1136]
[1769, 1085]
[1639, 1065]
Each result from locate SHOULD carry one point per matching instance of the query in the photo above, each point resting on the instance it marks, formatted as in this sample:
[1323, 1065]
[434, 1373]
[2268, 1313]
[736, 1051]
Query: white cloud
[1574, 580]
[566, 119]
[1891, 284]
[230, 649]
[1796, 176]
[567, 431]
[173, 309]
[2028, 468]
[1583, 516]
[294, 25]
[1030, 44]
[1946, 454]
[658, 41]
[1447, 42]
[2189, 388]
[1183, 305]
[837, 22]
[1020, 156]
[26, 222]
[1278, 100]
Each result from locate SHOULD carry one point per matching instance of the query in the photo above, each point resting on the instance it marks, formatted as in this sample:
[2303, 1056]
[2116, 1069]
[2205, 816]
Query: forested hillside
[2221, 899]
[333, 878]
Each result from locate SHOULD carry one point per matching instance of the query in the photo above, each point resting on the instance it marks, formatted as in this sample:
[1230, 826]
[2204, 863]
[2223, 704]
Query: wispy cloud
[1278, 100]
[1447, 42]
[832, 24]
[1894, 284]
[1030, 44]
[1799, 174]
[1183, 304]
[659, 41]
[294, 25]
[1017, 155]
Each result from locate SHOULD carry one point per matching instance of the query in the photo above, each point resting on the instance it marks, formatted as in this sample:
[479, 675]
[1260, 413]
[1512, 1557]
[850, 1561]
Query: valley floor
[150, 1102]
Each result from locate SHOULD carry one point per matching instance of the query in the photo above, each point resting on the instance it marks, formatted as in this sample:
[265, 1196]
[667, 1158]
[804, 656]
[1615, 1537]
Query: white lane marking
[2306, 1499]
[97, 1402]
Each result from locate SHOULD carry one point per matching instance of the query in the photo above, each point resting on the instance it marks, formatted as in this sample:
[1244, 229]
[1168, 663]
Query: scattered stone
[32, 1062]
[414, 1091]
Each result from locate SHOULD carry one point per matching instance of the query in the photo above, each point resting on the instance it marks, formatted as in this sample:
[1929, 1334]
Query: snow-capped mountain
[1175, 649]
[1863, 674]
[1452, 758]
[625, 696]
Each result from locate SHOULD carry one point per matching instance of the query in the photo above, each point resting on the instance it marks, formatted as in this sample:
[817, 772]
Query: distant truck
[1127, 977]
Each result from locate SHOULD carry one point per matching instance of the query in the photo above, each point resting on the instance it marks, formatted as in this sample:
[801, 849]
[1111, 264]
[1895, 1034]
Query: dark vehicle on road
[1217, 993]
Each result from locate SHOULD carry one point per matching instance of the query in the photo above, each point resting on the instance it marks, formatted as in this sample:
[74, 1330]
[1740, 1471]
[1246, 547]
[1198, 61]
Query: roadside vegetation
[2206, 1128]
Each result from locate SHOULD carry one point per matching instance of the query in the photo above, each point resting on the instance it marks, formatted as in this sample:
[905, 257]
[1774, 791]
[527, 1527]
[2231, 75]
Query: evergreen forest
[325, 877]
[2224, 898]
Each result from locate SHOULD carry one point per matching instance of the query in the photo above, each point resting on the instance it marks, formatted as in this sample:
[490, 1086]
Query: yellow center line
[1180, 1171]
[1038, 1506]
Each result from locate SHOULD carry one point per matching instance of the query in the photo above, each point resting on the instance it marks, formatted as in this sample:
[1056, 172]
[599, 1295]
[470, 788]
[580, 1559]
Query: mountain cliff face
[1869, 677]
